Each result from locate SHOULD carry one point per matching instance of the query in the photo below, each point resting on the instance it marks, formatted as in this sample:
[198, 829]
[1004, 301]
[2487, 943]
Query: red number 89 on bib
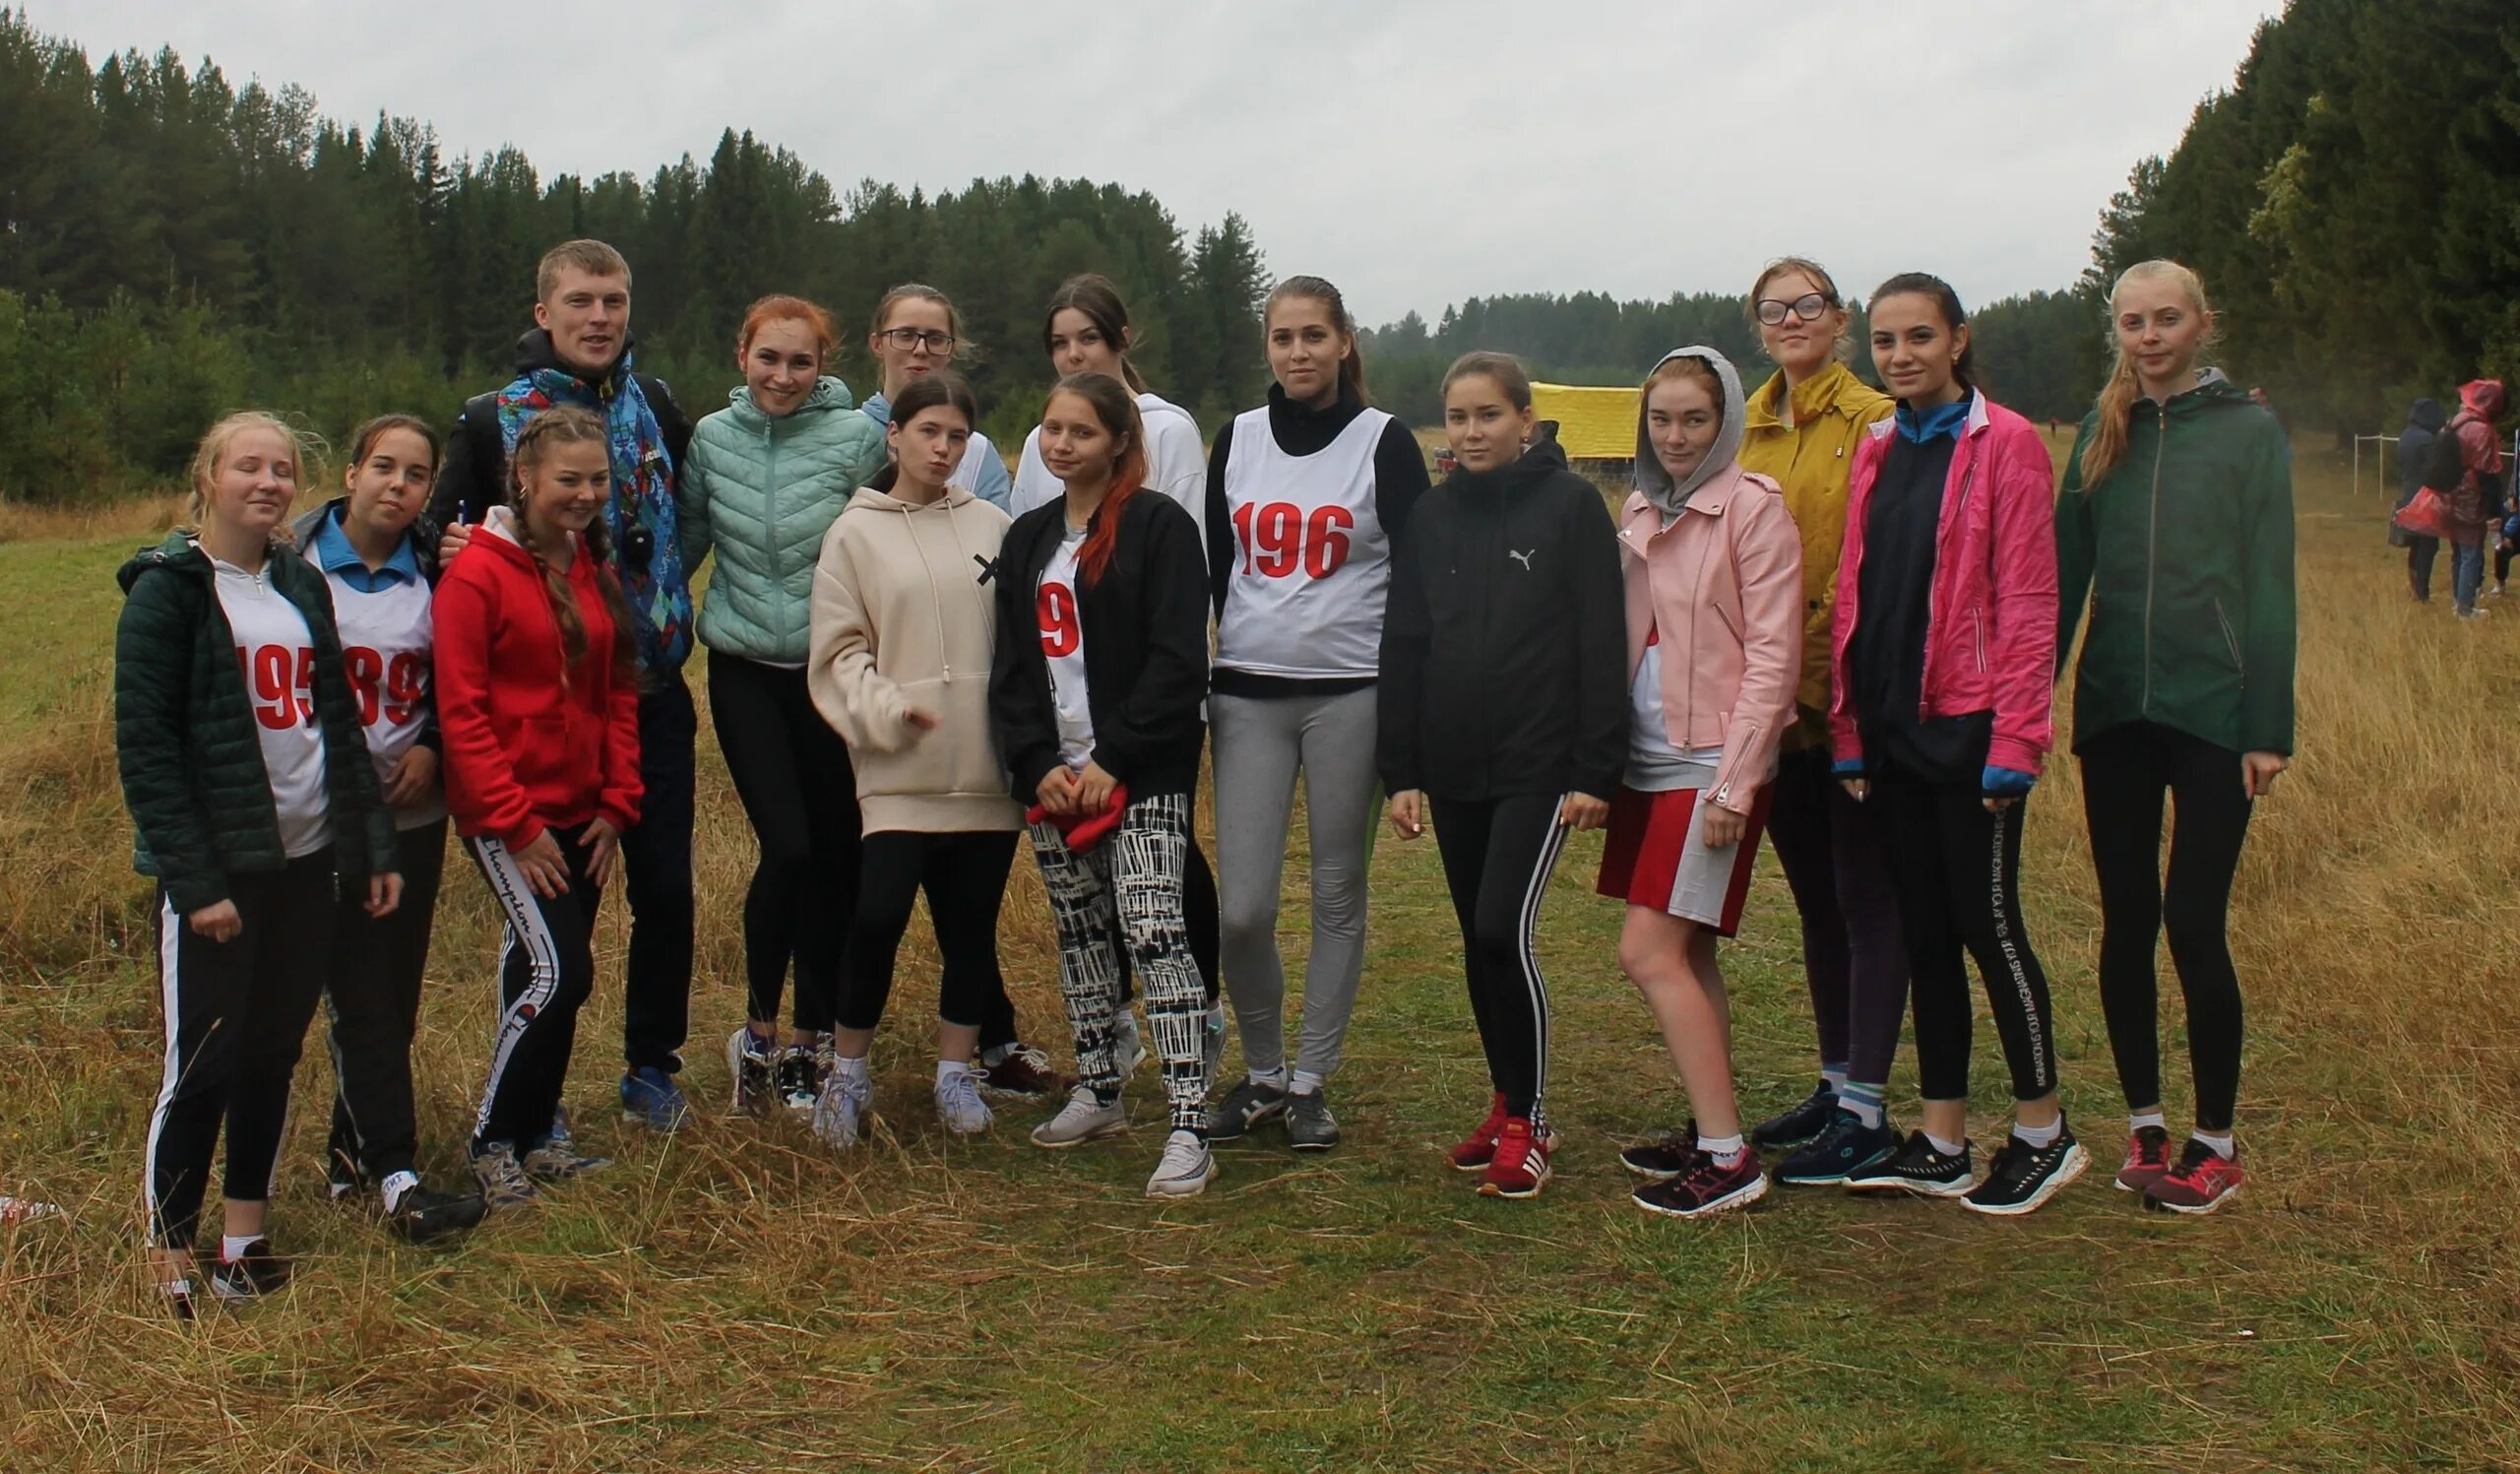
[1278, 538]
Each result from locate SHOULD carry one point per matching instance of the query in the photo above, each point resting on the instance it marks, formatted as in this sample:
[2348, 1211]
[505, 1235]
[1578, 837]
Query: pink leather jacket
[1725, 583]
[1990, 636]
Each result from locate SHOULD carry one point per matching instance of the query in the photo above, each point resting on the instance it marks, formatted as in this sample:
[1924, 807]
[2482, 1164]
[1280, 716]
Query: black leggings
[1498, 853]
[1851, 951]
[546, 970]
[236, 1013]
[792, 771]
[2126, 772]
[965, 877]
[1958, 870]
[372, 991]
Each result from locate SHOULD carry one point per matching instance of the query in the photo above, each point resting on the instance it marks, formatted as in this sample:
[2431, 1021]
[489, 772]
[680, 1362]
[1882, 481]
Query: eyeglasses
[1808, 307]
[907, 338]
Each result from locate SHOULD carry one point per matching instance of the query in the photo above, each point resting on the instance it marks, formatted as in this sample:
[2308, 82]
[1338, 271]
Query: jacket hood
[2427, 415]
[2482, 398]
[872, 499]
[1827, 390]
[178, 553]
[1543, 459]
[828, 396]
[1652, 479]
[534, 350]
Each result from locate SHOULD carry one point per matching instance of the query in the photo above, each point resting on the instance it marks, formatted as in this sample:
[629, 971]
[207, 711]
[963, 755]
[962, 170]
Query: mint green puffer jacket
[762, 493]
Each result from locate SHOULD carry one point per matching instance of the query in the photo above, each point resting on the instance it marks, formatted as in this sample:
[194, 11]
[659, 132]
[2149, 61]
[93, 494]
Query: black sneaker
[1706, 1188]
[750, 1060]
[1310, 1128]
[1668, 1158]
[797, 1079]
[2022, 1177]
[1800, 1124]
[425, 1216]
[1244, 1106]
[1847, 1144]
[1915, 1167]
[251, 1275]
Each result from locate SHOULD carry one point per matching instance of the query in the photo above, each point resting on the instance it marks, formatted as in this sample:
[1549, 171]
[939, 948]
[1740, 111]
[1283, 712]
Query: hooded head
[1682, 428]
[2427, 415]
[2482, 398]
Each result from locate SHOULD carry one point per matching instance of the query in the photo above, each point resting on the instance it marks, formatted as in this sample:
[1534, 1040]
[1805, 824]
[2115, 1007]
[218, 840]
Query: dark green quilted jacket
[192, 768]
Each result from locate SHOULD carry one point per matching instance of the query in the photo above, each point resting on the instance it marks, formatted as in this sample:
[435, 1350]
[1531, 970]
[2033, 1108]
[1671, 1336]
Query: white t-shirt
[1655, 764]
[1062, 629]
[386, 651]
[278, 658]
[1176, 464]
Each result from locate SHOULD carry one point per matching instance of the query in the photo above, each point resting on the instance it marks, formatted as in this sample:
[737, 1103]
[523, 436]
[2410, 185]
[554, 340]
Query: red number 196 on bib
[1278, 538]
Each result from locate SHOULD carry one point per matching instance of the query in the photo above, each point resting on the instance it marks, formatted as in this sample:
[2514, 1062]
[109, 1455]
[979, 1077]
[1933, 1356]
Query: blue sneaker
[649, 1098]
[1844, 1146]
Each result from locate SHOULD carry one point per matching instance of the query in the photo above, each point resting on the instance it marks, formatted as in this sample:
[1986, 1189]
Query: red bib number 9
[1055, 609]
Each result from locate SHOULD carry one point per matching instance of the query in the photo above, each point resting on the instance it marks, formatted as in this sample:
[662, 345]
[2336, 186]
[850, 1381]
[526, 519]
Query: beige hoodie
[901, 619]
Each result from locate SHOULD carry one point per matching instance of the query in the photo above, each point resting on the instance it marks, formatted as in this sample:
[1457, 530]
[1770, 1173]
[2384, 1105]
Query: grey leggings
[1260, 744]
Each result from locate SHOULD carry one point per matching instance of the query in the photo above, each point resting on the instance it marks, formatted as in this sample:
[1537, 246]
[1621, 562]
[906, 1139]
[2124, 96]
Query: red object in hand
[1083, 831]
[2426, 515]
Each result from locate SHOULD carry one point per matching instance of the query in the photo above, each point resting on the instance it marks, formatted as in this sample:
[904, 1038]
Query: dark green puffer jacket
[192, 767]
[2186, 549]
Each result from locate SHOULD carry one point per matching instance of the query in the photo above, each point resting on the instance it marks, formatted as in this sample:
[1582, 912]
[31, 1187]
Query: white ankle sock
[2040, 1135]
[2224, 1146]
[1305, 1082]
[1947, 1148]
[1275, 1079]
[1835, 1075]
[1725, 1150]
[394, 1187]
[2143, 1119]
[947, 1069]
[232, 1246]
[847, 1068]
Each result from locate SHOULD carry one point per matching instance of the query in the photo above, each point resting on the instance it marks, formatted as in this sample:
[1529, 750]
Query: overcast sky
[1413, 153]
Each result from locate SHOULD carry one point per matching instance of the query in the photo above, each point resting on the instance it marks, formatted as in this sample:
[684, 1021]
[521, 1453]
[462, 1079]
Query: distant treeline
[172, 247]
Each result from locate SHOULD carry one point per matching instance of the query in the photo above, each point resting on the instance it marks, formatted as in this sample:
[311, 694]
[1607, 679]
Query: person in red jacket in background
[539, 707]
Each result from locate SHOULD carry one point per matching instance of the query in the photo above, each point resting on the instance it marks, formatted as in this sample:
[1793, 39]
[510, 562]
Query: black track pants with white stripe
[236, 1013]
[1498, 853]
[1957, 869]
[1130, 885]
[546, 970]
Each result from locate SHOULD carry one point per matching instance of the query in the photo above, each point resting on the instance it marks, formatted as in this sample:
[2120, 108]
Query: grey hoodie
[1656, 484]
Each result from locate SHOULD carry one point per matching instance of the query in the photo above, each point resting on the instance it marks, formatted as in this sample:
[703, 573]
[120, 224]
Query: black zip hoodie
[1505, 643]
[473, 479]
[1145, 650]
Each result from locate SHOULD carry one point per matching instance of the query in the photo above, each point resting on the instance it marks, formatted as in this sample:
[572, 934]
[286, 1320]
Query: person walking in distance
[2423, 421]
[1503, 721]
[2175, 524]
[1096, 692]
[252, 798]
[1085, 330]
[580, 352]
[905, 629]
[1943, 649]
[1306, 498]
[1713, 591]
[1804, 427]
[763, 481]
[379, 557]
[538, 703]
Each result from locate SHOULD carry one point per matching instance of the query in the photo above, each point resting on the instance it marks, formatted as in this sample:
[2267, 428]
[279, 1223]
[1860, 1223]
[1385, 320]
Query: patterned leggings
[1135, 873]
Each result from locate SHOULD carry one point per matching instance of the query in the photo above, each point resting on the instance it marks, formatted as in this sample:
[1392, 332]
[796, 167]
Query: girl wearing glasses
[916, 332]
[1802, 429]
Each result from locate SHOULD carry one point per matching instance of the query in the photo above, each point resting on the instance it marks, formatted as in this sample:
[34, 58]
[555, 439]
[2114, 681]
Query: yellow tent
[1593, 424]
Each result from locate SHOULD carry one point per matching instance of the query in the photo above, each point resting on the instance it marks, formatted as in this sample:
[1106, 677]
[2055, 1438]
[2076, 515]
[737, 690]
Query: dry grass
[734, 1298]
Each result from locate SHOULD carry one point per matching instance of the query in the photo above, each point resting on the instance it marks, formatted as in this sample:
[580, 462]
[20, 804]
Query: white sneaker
[958, 1104]
[1128, 1045]
[1083, 1118]
[840, 1108]
[1185, 1169]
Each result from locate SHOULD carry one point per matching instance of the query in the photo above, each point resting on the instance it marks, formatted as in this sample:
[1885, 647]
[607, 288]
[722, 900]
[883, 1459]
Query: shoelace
[2194, 1158]
[961, 1094]
[1029, 1056]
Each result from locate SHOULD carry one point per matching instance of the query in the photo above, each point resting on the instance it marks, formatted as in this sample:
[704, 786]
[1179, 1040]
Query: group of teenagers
[1826, 613]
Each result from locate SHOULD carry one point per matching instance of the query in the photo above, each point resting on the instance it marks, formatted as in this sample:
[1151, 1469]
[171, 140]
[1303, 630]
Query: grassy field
[734, 1298]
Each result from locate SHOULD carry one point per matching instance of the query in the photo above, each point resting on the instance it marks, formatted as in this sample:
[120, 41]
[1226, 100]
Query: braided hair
[572, 424]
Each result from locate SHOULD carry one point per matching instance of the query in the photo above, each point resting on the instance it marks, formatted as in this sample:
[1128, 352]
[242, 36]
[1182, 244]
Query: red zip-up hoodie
[529, 745]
